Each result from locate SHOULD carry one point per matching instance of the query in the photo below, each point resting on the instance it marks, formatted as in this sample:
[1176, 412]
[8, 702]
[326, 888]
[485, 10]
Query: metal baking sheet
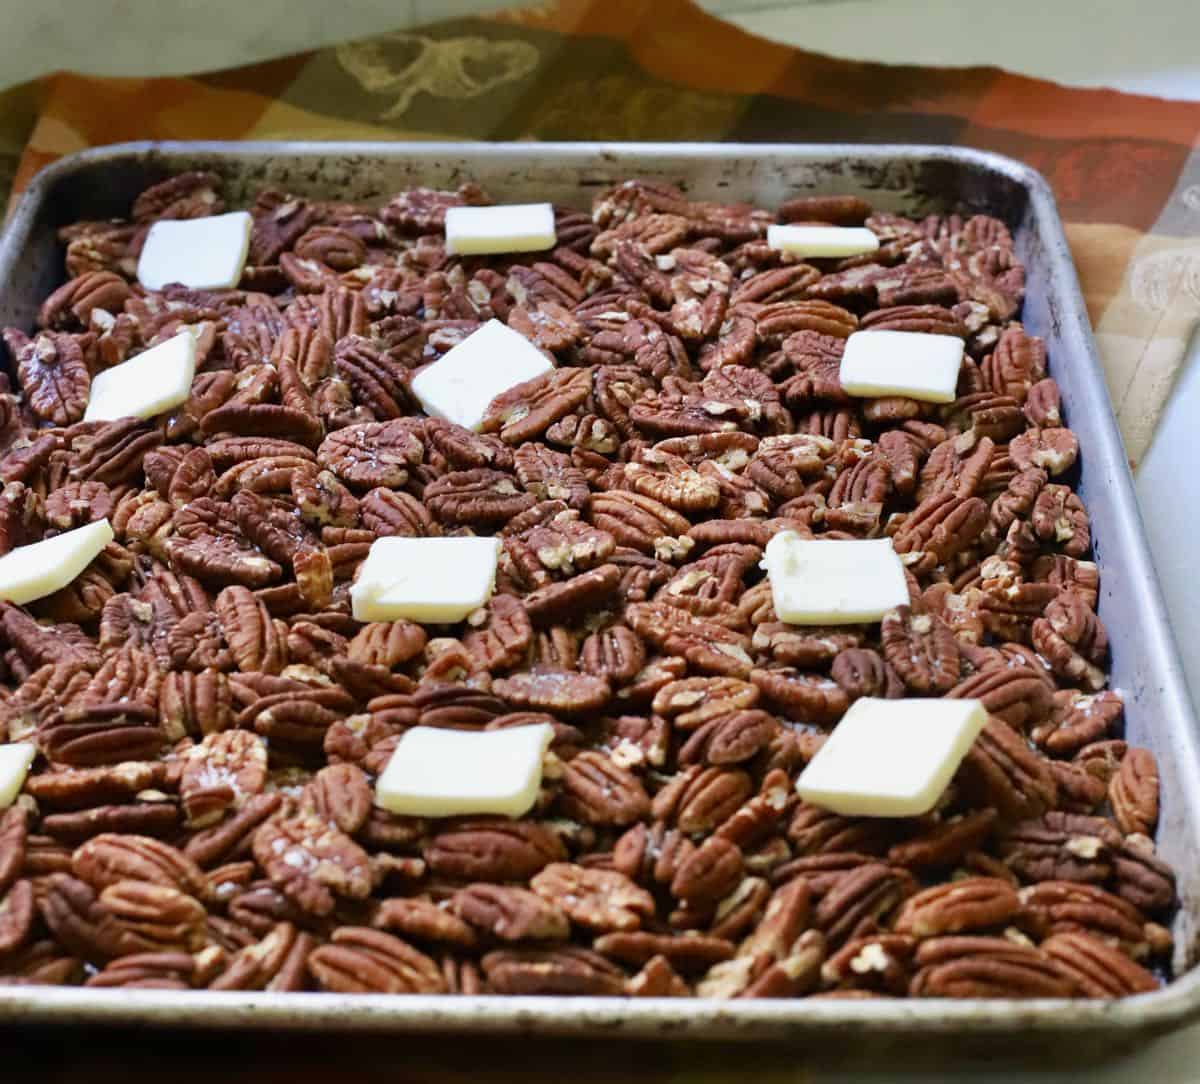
[914, 180]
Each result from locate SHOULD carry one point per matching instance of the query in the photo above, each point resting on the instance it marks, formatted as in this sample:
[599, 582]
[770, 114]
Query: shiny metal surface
[912, 179]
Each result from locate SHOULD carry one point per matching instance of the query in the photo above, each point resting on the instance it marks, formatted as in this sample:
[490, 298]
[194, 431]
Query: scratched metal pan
[912, 179]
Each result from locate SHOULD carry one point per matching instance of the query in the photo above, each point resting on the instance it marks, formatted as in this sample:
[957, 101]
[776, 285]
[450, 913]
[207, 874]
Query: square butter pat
[907, 363]
[32, 572]
[15, 761]
[826, 581]
[435, 580]
[446, 773]
[891, 758]
[203, 253]
[461, 385]
[517, 227]
[148, 384]
[817, 241]
[14, 765]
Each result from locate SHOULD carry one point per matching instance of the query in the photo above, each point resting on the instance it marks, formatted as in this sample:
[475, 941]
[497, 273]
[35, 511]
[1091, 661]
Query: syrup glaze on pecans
[210, 719]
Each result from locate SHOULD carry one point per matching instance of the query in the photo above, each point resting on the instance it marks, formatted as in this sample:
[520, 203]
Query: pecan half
[596, 899]
[365, 961]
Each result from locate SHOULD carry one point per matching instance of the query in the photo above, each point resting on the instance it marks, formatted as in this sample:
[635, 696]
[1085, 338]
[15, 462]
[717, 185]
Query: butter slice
[891, 758]
[818, 241]
[32, 572]
[908, 363]
[515, 227]
[828, 581]
[148, 384]
[461, 385]
[435, 580]
[448, 773]
[203, 253]
[14, 766]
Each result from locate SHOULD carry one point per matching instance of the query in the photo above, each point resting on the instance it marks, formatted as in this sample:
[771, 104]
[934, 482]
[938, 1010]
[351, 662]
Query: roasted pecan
[312, 861]
[709, 873]
[1053, 907]
[525, 411]
[562, 971]
[859, 900]
[1016, 694]
[805, 698]
[938, 529]
[688, 952]
[562, 692]
[84, 735]
[250, 632]
[1061, 846]
[492, 850]
[969, 905]
[53, 373]
[730, 739]
[424, 921]
[221, 772]
[109, 858]
[641, 523]
[17, 913]
[698, 800]
[708, 646]
[372, 454]
[1001, 771]
[561, 602]
[13, 833]
[922, 649]
[1059, 519]
[1078, 720]
[879, 963]
[615, 653]
[1141, 877]
[597, 790]
[1133, 792]
[945, 843]
[1016, 364]
[862, 672]
[479, 498]
[342, 795]
[1072, 640]
[509, 913]
[596, 899]
[1095, 968]
[986, 967]
[364, 961]
[277, 962]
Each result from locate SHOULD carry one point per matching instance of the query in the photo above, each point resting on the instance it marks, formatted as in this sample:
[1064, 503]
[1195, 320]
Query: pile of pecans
[210, 718]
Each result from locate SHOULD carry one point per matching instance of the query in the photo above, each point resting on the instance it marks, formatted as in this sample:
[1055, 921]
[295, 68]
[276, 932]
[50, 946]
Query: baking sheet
[909, 179]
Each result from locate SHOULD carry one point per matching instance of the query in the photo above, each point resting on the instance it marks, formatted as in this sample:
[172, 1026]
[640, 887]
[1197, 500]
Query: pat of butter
[435, 580]
[448, 773]
[829, 581]
[908, 363]
[891, 758]
[32, 572]
[818, 241]
[148, 384]
[461, 385]
[14, 766]
[517, 227]
[203, 253]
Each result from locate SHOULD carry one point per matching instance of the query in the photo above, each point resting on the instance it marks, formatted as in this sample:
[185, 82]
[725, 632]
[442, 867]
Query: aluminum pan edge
[1123, 533]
